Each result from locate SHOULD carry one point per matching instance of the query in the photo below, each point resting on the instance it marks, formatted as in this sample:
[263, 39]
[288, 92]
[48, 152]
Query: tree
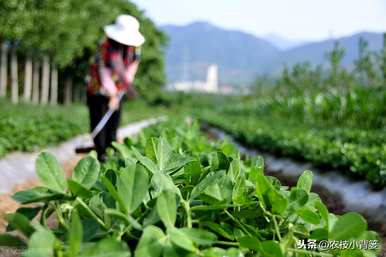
[3, 69]
[384, 59]
[67, 32]
[15, 19]
[365, 65]
[338, 77]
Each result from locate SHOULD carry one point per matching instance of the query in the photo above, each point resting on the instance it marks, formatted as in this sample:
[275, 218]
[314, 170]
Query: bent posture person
[112, 74]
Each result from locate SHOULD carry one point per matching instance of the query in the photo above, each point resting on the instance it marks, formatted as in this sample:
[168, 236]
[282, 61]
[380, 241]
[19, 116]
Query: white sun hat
[125, 31]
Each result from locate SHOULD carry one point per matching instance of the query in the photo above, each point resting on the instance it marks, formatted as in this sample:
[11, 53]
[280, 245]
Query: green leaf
[133, 185]
[218, 161]
[210, 179]
[323, 211]
[193, 171]
[319, 234]
[309, 216]
[234, 170]
[305, 181]
[239, 194]
[75, 235]
[110, 187]
[169, 250]
[122, 149]
[218, 229]
[167, 208]
[41, 243]
[200, 236]
[107, 247]
[19, 222]
[125, 218]
[256, 170]
[278, 201]
[299, 196]
[180, 239]
[90, 229]
[150, 148]
[86, 172]
[176, 163]
[29, 213]
[145, 161]
[262, 184]
[97, 205]
[249, 242]
[37, 194]
[229, 149]
[150, 243]
[162, 153]
[50, 173]
[78, 190]
[271, 249]
[348, 226]
[11, 241]
[213, 190]
[163, 182]
[218, 252]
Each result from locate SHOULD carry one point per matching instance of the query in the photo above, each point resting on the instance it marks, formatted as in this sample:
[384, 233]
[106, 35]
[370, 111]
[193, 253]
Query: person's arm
[131, 70]
[107, 81]
[109, 88]
[134, 55]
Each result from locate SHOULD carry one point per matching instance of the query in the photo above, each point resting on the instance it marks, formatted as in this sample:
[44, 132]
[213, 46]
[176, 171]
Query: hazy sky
[292, 19]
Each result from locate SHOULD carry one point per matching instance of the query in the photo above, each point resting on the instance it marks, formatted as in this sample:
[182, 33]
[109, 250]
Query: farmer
[112, 74]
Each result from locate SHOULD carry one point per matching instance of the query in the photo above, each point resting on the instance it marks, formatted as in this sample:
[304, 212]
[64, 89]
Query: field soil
[8, 205]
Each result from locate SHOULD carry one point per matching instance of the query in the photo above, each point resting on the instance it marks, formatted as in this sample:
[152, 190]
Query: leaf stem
[276, 227]
[237, 222]
[227, 243]
[219, 207]
[188, 214]
[60, 217]
[92, 214]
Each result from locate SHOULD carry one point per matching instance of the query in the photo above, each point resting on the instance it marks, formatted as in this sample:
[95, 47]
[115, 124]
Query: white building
[209, 86]
[212, 79]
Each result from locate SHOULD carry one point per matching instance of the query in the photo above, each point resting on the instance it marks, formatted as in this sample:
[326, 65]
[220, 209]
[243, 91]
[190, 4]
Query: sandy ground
[8, 205]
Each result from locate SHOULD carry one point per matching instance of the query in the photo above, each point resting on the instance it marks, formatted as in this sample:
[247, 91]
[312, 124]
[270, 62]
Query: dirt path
[8, 205]
[17, 170]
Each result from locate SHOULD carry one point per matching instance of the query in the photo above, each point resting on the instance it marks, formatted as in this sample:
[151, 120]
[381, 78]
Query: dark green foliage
[28, 127]
[69, 31]
[366, 65]
[384, 59]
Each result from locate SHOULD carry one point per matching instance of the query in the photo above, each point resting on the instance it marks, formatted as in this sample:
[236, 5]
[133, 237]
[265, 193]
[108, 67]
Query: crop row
[361, 153]
[29, 127]
[172, 193]
[356, 108]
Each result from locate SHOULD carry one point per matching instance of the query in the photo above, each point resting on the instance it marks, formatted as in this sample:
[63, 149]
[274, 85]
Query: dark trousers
[98, 105]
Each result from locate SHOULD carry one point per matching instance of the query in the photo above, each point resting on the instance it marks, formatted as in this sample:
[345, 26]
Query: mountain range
[241, 56]
[283, 43]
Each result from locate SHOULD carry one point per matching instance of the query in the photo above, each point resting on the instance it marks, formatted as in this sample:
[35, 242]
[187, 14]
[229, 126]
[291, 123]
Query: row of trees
[368, 70]
[46, 46]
